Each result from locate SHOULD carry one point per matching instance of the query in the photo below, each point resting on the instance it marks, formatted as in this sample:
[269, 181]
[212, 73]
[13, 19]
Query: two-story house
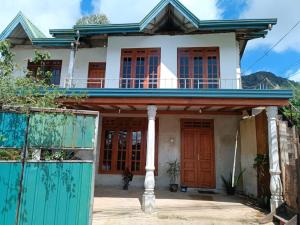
[168, 87]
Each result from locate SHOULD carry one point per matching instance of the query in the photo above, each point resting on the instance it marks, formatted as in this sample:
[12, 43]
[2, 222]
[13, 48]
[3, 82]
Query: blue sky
[283, 60]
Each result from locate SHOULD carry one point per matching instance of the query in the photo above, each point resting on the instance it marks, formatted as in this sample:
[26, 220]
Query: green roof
[30, 29]
[182, 93]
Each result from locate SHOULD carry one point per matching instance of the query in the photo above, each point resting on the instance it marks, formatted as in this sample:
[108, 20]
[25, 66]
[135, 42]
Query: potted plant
[173, 172]
[231, 188]
[127, 178]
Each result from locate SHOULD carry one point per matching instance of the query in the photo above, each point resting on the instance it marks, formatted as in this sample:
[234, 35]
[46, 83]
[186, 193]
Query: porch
[115, 206]
[212, 117]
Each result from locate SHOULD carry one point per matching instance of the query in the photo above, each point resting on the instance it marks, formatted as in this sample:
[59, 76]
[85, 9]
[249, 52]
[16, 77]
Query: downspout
[74, 49]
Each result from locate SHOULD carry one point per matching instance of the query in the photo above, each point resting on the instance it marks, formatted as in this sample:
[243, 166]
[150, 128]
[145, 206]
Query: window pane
[126, 75]
[136, 150]
[153, 71]
[212, 72]
[198, 72]
[184, 82]
[140, 72]
[122, 148]
[108, 146]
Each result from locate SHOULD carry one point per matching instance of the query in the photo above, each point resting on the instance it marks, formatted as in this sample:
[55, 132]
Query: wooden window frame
[134, 54]
[122, 123]
[207, 52]
[48, 63]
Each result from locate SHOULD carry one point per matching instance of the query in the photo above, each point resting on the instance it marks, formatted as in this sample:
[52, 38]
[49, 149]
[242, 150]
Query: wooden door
[96, 75]
[197, 154]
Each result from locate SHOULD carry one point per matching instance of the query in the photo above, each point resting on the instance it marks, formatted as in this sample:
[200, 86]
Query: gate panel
[10, 175]
[56, 193]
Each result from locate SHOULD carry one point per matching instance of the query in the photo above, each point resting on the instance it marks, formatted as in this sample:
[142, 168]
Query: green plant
[230, 188]
[127, 178]
[173, 171]
[58, 155]
[6, 154]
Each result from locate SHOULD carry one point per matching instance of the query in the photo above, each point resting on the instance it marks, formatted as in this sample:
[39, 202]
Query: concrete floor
[115, 206]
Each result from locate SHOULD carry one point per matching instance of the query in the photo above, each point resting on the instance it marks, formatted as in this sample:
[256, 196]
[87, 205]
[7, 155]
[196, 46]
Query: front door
[197, 154]
[96, 75]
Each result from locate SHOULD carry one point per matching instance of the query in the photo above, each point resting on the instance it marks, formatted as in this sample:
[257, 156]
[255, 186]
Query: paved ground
[115, 206]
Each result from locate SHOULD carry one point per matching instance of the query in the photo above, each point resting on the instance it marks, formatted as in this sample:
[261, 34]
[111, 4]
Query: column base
[148, 202]
[275, 202]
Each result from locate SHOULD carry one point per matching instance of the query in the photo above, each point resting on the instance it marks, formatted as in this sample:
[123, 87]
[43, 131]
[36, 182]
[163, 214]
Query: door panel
[197, 161]
[96, 75]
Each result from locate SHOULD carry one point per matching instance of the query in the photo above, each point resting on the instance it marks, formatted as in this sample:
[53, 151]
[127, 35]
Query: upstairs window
[198, 68]
[140, 68]
[54, 66]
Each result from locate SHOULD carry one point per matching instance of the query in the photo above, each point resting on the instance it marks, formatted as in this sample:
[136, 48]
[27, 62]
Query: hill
[265, 80]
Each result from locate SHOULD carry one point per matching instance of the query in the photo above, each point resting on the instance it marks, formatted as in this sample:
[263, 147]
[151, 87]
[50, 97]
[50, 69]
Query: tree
[26, 91]
[293, 112]
[93, 19]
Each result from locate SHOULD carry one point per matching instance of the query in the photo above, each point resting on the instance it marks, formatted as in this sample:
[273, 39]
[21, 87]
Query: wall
[83, 57]
[169, 127]
[169, 44]
[248, 154]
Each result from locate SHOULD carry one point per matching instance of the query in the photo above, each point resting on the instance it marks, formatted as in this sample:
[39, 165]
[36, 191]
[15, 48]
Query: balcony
[138, 83]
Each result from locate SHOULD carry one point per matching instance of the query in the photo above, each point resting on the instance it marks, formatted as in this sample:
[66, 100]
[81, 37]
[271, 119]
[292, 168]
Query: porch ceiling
[177, 101]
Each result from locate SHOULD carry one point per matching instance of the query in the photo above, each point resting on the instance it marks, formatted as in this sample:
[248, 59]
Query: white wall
[169, 45]
[83, 57]
[169, 127]
[249, 153]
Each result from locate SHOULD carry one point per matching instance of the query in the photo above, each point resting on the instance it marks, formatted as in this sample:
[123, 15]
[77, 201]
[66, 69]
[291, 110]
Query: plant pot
[173, 187]
[125, 187]
[183, 188]
[230, 191]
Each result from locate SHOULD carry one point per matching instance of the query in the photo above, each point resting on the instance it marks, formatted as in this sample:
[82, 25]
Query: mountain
[265, 80]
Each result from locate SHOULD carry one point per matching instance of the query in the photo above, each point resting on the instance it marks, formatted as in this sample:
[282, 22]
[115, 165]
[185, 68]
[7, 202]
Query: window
[123, 145]
[140, 68]
[54, 66]
[198, 68]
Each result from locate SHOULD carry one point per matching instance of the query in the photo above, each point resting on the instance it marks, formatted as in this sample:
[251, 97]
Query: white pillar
[148, 196]
[275, 182]
[69, 81]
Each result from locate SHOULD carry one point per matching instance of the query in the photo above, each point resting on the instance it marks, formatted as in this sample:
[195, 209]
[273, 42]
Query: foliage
[173, 171]
[26, 91]
[127, 178]
[6, 59]
[93, 19]
[293, 112]
[230, 188]
[7, 154]
[260, 163]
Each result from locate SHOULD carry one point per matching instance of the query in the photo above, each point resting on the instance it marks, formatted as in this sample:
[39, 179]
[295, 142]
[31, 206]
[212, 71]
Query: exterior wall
[169, 128]
[83, 57]
[169, 45]
[248, 154]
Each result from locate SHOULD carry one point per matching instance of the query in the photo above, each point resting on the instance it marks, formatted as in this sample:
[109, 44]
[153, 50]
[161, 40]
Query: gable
[21, 29]
[169, 16]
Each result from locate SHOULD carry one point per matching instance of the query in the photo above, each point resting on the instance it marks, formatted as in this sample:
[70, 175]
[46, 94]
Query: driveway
[115, 206]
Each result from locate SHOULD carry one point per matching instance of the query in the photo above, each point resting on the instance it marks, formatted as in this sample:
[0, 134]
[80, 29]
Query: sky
[283, 60]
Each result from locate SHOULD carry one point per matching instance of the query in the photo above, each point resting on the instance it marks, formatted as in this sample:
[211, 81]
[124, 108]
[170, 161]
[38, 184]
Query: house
[168, 87]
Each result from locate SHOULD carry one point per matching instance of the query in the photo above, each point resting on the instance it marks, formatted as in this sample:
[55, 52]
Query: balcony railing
[131, 83]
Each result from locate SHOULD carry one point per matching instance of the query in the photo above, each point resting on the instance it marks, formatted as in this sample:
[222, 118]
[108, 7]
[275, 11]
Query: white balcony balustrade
[140, 83]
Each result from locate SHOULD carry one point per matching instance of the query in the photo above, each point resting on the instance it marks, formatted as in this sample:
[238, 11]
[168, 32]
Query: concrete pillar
[148, 196]
[69, 80]
[275, 182]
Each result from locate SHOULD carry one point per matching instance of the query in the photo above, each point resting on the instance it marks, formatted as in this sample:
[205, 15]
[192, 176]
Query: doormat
[206, 192]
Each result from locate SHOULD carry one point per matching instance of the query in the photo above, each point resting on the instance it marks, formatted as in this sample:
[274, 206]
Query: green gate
[48, 192]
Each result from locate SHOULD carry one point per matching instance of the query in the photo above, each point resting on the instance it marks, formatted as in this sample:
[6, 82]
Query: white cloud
[287, 12]
[132, 11]
[45, 14]
[294, 75]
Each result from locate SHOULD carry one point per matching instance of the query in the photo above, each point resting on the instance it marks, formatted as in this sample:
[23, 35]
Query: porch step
[285, 216]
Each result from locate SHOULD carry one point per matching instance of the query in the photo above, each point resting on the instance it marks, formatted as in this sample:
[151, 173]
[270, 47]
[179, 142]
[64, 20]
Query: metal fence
[37, 190]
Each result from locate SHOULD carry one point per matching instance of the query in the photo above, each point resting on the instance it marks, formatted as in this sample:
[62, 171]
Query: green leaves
[27, 91]
[93, 19]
